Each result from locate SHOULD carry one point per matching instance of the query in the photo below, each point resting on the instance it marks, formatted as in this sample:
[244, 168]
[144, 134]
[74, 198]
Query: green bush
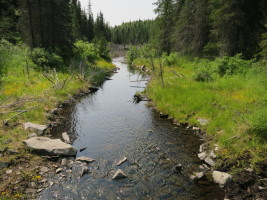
[232, 65]
[44, 59]
[132, 54]
[86, 51]
[203, 74]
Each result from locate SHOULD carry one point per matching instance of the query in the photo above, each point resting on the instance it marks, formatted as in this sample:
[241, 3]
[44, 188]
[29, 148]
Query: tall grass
[24, 86]
[230, 92]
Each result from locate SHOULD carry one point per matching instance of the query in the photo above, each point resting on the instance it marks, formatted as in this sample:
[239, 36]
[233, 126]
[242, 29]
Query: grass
[34, 93]
[235, 104]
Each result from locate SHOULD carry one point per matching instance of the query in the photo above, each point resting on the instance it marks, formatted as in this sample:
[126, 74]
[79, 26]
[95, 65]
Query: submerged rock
[164, 116]
[85, 159]
[50, 146]
[84, 171]
[197, 176]
[35, 127]
[221, 178]
[119, 175]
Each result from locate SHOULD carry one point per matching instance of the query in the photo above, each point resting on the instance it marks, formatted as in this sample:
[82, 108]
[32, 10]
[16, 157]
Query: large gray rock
[35, 127]
[50, 146]
[221, 178]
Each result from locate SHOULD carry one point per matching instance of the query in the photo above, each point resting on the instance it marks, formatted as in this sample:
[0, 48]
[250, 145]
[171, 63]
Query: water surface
[111, 126]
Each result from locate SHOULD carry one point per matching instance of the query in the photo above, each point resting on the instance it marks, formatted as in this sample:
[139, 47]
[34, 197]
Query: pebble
[59, 170]
[9, 171]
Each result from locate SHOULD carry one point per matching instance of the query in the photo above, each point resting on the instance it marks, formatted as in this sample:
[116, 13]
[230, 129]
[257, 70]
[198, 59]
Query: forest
[205, 59]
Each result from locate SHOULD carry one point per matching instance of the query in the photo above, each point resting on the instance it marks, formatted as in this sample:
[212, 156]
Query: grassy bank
[229, 92]
[28, 94]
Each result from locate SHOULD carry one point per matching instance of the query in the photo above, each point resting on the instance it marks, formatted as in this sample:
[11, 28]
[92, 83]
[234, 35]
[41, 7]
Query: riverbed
[108, 125]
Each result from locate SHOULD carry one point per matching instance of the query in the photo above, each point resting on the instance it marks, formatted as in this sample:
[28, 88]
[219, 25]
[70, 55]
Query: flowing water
[111, 126]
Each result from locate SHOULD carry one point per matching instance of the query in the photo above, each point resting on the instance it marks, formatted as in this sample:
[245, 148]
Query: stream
[110, 126]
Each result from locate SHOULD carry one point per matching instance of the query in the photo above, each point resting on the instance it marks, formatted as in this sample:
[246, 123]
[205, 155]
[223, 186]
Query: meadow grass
[234, 104]
[23, 89]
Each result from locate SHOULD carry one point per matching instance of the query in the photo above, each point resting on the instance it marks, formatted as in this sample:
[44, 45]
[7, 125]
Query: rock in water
[124, 159]
[50, 146]
[119, 175]
[221, 178]
[84, 171]
[35, 127]
[66, 137]
[85, 159]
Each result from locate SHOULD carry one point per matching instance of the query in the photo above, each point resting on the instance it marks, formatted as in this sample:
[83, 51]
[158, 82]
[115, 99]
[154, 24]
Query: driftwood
[20, 113]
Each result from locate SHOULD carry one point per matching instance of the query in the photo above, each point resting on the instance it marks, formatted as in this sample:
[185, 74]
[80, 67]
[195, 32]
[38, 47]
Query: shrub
[44, 59]
[203, 74]
[132, 54]
[232, 65]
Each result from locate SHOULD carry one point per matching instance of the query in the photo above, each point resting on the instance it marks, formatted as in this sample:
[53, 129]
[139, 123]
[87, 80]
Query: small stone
[124, 159]
[84, 171]
[203, 155]
[32, 135]
[85, 159]
[119, 175]
[209, 161]
[35, 127]
[221, 178]
[68, 171]
[197, 176]
[66, 137]
[216, 147]
[212, 154]
[203, 122]
[33, 185]
[64, 161]
[51, 183]
[30, 191]
[44, 169]
[59, 170]
[39, 190]
[261, 188]
[9, 171]
[43, 181]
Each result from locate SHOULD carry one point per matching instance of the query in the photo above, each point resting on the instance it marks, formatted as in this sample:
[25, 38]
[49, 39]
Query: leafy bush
[203, 74]
[132, 54]
[44, 59]
[85, 50]
[171, 59]
[102, 50]
[232, 65]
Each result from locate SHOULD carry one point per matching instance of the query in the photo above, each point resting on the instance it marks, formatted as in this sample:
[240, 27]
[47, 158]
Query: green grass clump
[230, 92]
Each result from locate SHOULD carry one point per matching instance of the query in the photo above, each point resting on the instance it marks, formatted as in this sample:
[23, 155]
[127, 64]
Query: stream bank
[107, 127]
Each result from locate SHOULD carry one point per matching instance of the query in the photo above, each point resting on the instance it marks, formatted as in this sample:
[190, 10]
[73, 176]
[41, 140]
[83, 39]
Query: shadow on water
[111, 126]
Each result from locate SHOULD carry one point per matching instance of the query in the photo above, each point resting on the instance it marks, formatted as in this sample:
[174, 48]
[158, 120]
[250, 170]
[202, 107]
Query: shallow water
[111, 126]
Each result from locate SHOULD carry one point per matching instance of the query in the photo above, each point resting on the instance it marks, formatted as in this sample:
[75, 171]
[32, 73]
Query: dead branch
[20, 113]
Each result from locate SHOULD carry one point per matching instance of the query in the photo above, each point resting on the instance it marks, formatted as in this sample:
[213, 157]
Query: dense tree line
[51, 24]
[137, 32]
[211, 27]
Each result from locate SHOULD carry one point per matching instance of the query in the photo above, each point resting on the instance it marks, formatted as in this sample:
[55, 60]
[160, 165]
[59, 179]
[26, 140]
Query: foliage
[234, 104]
[86, 50]
[132, 54]
[231, 65]
[44, 59]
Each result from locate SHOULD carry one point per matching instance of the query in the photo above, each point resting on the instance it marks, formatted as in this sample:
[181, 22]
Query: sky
[118, 11]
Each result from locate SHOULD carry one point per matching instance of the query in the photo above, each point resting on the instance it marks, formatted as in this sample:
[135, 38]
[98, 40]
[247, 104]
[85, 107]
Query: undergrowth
[230, 92]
